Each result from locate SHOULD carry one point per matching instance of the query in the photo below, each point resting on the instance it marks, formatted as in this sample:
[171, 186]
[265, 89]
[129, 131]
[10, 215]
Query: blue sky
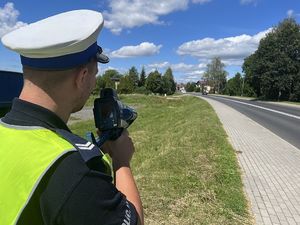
[182, 34]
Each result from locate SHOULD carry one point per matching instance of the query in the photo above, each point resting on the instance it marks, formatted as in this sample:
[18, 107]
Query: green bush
[142, 90]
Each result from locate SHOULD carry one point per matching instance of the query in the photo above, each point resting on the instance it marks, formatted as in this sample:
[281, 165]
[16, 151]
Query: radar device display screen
[111, 114]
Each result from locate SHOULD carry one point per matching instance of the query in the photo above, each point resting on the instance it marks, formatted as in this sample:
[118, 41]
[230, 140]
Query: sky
[156, 34]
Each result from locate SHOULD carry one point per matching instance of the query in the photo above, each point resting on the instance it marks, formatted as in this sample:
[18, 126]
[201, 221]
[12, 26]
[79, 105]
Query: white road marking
[267, 109]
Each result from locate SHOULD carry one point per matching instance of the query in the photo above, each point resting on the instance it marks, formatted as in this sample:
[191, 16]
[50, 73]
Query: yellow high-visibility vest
[26, 154]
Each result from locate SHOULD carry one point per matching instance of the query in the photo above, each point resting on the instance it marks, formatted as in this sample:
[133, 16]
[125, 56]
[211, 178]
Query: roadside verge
[270, 167]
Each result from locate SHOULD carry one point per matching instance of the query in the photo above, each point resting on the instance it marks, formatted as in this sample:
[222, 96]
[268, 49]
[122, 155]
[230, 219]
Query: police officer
[49, 175]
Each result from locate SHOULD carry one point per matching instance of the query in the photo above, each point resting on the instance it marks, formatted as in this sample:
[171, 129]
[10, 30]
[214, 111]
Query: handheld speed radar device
[111, 116]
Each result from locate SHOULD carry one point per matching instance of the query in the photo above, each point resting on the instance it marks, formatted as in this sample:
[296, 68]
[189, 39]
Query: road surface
[280, 119]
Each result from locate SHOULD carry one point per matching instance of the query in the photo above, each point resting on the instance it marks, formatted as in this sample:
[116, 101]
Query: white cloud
[179, 67]
[233, 62]
[201, 1]
[187, 72]
[135, 13]
[9, 19]
[247, 2]
[291, 13]
[103, 68]
[187, 68]
[231, 50]
[143, 49]
[189, 78]
[193, 76]
[196, 73]
[159, 65]
[182, 72]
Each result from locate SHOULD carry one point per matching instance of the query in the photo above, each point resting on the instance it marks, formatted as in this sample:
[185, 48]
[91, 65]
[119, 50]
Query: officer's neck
[36, 95]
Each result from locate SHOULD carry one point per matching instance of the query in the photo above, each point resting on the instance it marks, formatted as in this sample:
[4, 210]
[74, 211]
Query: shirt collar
[25, 113]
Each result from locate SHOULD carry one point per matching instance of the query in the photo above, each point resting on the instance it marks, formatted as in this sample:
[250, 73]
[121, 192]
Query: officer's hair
[50, 79]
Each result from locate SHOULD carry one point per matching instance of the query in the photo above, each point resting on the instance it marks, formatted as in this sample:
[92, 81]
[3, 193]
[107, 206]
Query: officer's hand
[120, 150]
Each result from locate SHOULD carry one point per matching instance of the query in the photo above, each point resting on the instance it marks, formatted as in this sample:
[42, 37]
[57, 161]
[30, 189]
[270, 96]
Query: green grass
[90, 101]
[186, 170]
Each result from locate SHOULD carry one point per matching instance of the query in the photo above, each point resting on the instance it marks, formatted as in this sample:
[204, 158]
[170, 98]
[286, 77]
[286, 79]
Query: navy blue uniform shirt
[70, 193]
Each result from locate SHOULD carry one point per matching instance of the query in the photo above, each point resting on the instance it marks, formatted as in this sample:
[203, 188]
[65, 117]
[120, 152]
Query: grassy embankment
[185, 168]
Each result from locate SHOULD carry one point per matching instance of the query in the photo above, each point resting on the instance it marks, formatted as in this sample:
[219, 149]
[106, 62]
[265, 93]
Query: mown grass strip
[185, 168]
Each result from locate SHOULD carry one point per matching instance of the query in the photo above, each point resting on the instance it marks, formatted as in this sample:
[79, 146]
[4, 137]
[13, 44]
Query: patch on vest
[87, 146]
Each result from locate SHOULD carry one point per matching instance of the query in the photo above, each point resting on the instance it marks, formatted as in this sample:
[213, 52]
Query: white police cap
[59, 42]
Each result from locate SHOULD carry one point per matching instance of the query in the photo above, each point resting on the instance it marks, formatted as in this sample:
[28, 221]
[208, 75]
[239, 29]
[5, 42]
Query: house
[205, 88]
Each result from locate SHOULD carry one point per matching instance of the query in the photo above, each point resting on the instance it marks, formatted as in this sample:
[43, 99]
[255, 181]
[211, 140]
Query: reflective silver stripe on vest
[38, 181]
[18, 127]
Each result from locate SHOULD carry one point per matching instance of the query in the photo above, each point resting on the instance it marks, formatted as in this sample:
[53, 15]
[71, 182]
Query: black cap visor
[101, 58]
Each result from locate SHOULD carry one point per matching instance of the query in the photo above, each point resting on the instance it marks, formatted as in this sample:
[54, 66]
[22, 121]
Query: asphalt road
[280, 119]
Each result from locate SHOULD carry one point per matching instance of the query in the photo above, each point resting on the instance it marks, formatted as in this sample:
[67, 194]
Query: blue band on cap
[62, 62]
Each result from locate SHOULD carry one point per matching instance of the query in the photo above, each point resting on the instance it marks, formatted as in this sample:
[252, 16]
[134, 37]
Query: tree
[215, 74]
[252, 77]
[142, 78]
[99, 85]
[190, 86]
[133, 76]
[273, 69]
[234, 85]
[107, 78]
[126, 85]
[169, 85]
[154, 82]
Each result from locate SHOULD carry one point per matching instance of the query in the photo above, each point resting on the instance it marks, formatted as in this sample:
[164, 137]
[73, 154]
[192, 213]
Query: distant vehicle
[206, 90]
[11, 84]
[182, 90]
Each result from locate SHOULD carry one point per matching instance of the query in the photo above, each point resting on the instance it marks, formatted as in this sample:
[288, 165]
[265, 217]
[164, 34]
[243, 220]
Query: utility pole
[243, 83]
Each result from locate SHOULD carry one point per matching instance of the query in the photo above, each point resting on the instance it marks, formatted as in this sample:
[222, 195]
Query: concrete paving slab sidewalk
[270, 167]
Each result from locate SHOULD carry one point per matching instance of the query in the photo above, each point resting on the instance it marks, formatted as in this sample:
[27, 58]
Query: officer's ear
[81, 77]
